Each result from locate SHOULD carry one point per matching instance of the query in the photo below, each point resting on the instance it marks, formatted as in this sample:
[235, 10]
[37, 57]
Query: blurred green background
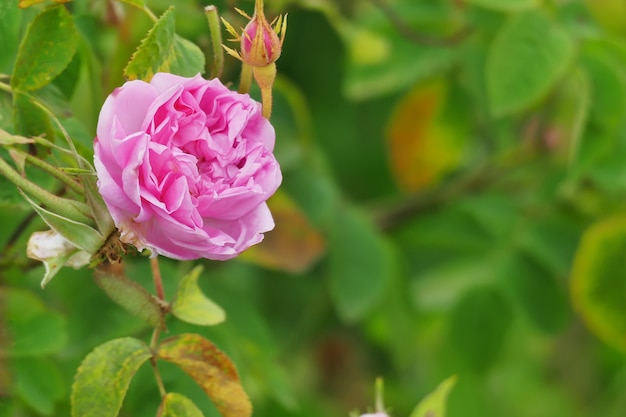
[453, 202]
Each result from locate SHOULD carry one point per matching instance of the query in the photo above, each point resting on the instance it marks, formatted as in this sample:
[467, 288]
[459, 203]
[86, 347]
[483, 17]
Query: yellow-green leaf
[211, 369]
[47, 48]
[434, 404]
[177, 405]
[294, 245]
[104, 375]
[192, 306]
[598, 284]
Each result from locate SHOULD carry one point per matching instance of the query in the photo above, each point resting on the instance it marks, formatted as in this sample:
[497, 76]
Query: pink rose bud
[185, 166]
[261, 44]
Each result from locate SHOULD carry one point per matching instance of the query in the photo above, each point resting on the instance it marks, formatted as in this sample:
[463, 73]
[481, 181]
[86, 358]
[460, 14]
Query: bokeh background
[453, 203]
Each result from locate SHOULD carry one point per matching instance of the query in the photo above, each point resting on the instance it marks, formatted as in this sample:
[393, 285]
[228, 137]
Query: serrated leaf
[35, 330]
[504, 5]
[29, 119]
[192, 306]
[294, 245]
[177, 405]
[211, 369]
[47, 48]
[164, 51]
[130, 295]
[529, 54]
[434, 404]
[104, 375]
[598, 286]
[360, 265]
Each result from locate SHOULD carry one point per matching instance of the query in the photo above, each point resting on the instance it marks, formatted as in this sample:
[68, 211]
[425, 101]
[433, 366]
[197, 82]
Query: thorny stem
[215, 30]
[158, 284]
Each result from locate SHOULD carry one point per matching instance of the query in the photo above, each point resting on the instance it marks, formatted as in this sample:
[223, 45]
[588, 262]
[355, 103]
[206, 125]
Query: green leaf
[137, 3]
[538, 293]
[177, 405]
[104, 375]
[39, 382]
[79, 234]
[192, 306]
[10, 22]
[608, 85]
[30, 119]
[479, 326]
[131, 296]
[381, 59]
[35, 330]
[359, 264]
[434, 404]
[164, 51]
[529, 54]
[47, 48]
[211, 369]
[598, 286]
[504, 5]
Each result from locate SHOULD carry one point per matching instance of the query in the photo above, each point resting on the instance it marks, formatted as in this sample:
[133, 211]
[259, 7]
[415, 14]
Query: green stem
[246, 78]
[150, 14]
[158, 284]
[6, 87]
[55, 172]
[215, 30]
[71, 209]
[265, 77]
[157, 375]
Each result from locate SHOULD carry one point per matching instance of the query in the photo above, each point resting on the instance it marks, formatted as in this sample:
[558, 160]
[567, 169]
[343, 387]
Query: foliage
[452, 203]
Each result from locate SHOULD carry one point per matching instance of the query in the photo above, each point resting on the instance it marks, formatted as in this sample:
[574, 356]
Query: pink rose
[185, 166]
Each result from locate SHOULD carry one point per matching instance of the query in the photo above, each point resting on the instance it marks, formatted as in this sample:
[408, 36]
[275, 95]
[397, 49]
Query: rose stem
[158, 284]
[215, 30]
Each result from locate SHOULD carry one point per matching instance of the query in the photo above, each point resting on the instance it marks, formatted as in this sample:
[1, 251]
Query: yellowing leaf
[23, 4]
[192, 306]
[211, 369]
[422, 148]
[294, 245]
[177, 405]
[104, 375]
[598, 284]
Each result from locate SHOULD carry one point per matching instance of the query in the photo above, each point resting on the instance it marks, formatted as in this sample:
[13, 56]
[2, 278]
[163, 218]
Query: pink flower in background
[185, 166]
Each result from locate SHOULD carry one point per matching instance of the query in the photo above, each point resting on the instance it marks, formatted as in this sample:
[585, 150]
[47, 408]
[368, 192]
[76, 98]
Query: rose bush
[185, 166]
